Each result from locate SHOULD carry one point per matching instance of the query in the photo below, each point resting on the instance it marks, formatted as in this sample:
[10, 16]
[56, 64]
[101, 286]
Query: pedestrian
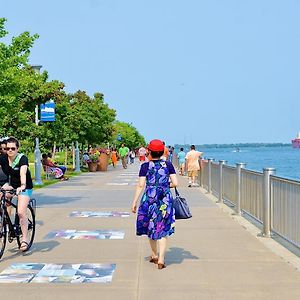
[165, 155]
[156, 215]
[142, 153]
[193, 165]
[15, 165]
[85, 158]
[131, 156]
[114, 157]
[181, 161]
[123, 153]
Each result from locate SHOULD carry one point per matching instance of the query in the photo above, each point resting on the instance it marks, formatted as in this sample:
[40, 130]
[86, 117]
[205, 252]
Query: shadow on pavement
[44, 246]
[36, 247]
[177, 255]
[51, 200]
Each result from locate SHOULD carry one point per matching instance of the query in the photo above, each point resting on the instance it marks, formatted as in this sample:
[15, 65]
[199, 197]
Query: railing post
[221, 163]
[209, 160]
[200, 172]
[267, 201]
[239, 167]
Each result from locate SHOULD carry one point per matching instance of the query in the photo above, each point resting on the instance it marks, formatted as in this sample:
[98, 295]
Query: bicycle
[12, 230]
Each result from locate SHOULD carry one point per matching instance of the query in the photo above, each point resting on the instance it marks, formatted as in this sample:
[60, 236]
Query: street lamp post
[37, 152]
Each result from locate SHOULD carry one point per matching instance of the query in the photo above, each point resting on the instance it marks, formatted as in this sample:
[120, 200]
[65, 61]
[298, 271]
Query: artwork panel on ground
[58, 273]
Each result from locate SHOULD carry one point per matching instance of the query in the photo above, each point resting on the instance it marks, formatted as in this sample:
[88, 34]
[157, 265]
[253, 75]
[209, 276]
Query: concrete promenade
[211, 256]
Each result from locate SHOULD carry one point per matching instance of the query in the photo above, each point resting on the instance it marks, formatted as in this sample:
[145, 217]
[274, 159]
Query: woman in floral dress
[156, 216]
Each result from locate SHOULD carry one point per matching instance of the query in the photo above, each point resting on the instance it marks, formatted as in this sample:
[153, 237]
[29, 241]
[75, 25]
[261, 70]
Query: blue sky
[191, 71]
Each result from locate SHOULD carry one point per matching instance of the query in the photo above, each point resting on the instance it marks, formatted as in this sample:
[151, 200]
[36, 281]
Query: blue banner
[48, 112]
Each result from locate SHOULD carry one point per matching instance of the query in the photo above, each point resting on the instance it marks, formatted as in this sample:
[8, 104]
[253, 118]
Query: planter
[92, 166]
[102, 162]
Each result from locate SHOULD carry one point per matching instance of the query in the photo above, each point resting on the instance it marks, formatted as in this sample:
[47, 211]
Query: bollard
[221, 163]
[37, 164]
[239, 167]
[267, 201]
[209, 160]
[77, 158]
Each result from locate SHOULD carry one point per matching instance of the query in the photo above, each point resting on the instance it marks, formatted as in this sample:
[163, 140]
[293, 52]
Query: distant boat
[296, 141]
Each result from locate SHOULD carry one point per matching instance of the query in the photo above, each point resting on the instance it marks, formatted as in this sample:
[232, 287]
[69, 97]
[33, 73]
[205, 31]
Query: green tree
[130, 135]
[21, 89]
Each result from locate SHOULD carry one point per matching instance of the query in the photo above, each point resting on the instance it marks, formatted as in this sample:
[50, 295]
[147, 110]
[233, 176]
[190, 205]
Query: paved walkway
[211, 256]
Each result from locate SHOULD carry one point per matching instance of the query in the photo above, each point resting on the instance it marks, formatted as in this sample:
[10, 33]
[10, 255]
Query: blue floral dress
[156, 215]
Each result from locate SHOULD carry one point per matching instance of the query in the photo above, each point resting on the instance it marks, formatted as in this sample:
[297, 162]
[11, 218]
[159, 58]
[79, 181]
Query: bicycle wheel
[31, 227]
[2, 231]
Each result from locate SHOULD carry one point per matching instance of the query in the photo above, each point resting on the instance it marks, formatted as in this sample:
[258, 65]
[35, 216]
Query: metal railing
[270, 200]
[285, 209]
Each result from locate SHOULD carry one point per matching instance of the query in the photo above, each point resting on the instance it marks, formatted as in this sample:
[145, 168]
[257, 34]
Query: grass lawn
[69, 173]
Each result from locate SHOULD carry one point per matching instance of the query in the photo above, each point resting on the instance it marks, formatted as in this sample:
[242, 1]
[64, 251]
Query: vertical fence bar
[239, 167]
[221, 163]
[267, 201]
[209, 160]
[200, 172]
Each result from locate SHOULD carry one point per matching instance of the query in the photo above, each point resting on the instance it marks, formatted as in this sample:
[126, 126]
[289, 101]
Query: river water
[285, 159]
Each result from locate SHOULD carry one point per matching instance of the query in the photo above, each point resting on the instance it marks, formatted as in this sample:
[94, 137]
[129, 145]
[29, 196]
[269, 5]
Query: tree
[21, 89]
[130, 135]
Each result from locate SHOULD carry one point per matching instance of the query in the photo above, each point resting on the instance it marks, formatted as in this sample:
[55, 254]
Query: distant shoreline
[238, 145]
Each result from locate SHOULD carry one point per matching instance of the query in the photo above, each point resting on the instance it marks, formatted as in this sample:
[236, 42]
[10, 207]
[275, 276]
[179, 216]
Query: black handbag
[182, 210]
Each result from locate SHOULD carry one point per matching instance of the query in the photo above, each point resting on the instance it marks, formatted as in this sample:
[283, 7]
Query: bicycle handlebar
[12, 191]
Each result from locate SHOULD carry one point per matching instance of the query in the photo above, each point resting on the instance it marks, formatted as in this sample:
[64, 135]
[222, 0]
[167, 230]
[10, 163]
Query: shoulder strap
[17, 160]
[176, 192]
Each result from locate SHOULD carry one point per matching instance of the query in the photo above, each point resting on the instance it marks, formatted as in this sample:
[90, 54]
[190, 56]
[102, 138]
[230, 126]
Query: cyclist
[3, 176]
[15, 166]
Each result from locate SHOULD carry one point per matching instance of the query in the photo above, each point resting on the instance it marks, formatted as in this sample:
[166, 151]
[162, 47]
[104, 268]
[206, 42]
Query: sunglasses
[10, 148]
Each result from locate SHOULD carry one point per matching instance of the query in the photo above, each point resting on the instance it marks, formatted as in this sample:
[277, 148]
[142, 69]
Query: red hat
[156, 145]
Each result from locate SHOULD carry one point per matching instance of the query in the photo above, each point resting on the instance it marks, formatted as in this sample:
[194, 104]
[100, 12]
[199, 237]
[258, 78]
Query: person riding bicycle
[15, 166]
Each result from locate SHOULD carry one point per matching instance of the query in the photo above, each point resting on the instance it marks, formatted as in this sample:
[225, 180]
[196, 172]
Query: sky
[192, 71]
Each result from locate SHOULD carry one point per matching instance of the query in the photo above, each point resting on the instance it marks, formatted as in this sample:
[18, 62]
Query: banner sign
[48, 112]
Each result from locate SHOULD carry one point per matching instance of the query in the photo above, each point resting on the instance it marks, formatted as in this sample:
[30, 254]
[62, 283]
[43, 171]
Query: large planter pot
[102, 162]
[92, 166]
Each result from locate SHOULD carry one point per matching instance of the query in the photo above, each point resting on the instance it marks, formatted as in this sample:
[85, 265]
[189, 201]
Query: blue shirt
[181, 157]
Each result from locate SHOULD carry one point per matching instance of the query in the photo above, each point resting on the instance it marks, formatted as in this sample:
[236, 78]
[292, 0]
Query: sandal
[24, 246]
[161, 266]
[153, 260]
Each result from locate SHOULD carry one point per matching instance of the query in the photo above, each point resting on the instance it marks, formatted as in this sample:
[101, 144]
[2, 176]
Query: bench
[49, 173]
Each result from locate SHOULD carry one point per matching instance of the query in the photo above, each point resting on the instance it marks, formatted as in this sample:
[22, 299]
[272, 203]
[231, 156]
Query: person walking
[142, 154]
[165, 155]
[156, 215]
[181, 161]
[123, 153]
[114, 157]
[193, 165]
[131, 155]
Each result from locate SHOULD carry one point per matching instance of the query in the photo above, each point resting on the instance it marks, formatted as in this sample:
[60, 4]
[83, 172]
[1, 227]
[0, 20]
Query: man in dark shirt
[3, 176]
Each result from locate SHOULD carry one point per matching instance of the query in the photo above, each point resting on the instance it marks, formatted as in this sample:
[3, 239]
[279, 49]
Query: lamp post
[37, 152]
